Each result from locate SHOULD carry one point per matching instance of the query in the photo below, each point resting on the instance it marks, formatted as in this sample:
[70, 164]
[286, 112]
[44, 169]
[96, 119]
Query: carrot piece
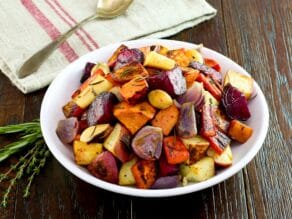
[145, 173]
[239, 131]
[209, 86]
[166, 119]
[219, 142]
[175, 150]
[208, 125]
[87, 82]
[134, 90]
[212, 63]
[190, 76]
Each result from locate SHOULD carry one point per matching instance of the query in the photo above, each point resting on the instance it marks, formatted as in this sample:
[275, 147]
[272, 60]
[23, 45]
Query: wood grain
[258, 36]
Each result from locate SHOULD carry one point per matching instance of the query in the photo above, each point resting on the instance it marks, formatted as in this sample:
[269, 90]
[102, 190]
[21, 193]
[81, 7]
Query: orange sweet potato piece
[190, 75]
[175, 150]
[166, 119]
[145, 173]
[129, 71]
[134, 90]
[133, 117]
[239, 131]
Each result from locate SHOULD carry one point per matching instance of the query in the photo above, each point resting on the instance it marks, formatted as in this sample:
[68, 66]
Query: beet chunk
[127, 56]
[87, 71]
[234, 103]
[101, 109]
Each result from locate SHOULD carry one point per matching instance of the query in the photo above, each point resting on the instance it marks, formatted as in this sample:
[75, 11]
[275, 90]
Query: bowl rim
[75, 170]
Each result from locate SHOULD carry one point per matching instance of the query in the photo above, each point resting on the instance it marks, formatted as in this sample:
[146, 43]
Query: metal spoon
[105, 9]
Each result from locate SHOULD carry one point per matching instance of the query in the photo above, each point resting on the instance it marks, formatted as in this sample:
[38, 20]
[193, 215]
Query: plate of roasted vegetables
[154, 118]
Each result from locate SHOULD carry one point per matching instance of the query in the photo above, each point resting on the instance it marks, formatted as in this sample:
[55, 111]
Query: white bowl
[67, 81]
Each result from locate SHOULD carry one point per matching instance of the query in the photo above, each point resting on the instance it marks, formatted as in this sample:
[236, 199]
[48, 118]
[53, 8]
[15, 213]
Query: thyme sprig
[29, 164]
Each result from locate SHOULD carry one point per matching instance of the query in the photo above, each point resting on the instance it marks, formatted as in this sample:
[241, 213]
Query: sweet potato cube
[128, 72]
[239, 131]
[133, 117]
[113, 59]
[134, 90]
[166, 119]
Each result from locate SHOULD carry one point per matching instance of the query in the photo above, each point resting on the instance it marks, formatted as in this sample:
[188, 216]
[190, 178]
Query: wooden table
[257, 34]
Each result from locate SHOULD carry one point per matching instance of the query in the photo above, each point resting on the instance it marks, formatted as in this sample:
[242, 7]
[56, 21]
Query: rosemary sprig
[29, 164]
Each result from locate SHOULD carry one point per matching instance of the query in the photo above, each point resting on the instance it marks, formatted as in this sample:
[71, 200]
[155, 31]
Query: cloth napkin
[28, 25]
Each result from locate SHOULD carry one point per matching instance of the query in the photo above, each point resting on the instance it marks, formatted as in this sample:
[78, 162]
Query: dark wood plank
[258, 39]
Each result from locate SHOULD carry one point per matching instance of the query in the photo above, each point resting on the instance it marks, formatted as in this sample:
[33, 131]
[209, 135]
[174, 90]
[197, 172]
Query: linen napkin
[28, 25]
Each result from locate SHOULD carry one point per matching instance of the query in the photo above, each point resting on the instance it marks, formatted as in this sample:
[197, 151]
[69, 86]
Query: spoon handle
[35, 61]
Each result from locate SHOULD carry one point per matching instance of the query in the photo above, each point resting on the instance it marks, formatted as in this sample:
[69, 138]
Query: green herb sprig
[29, 164]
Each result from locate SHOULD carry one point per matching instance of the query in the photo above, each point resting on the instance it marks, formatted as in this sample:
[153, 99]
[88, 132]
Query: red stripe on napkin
[89, 37]
[70, 25]
[49, 27]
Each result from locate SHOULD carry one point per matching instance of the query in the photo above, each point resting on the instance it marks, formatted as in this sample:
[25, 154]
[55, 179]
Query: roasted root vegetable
[85, 153]
[134, 90]
[98, 85]
[156, 60]
[220, 119]
[166, 119]
[104, 167]
[180, 57]
[212, 63]
[200, 171]
[224, 159]
[234, 103]
[197, 147]
[128, 72]
[113, 59]
[71, 109]
[101, 109]
[98, 132]
[195, 55]
[172, 81]
[165, 168]
[159, 99]
[208, 71]
[145, 173]
[219, 142]
[210, 86]
[147, 143]
[127, 56]
[134, 116]
[166, 182]
[239, 131]
[118, 143]
[186, 126]
[208, 128]
[175, 150]
[126, 177]
[242, 82]
[67, 129]
[190, 75]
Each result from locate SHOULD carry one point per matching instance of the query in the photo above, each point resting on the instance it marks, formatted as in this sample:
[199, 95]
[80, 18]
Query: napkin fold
[28, 25]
